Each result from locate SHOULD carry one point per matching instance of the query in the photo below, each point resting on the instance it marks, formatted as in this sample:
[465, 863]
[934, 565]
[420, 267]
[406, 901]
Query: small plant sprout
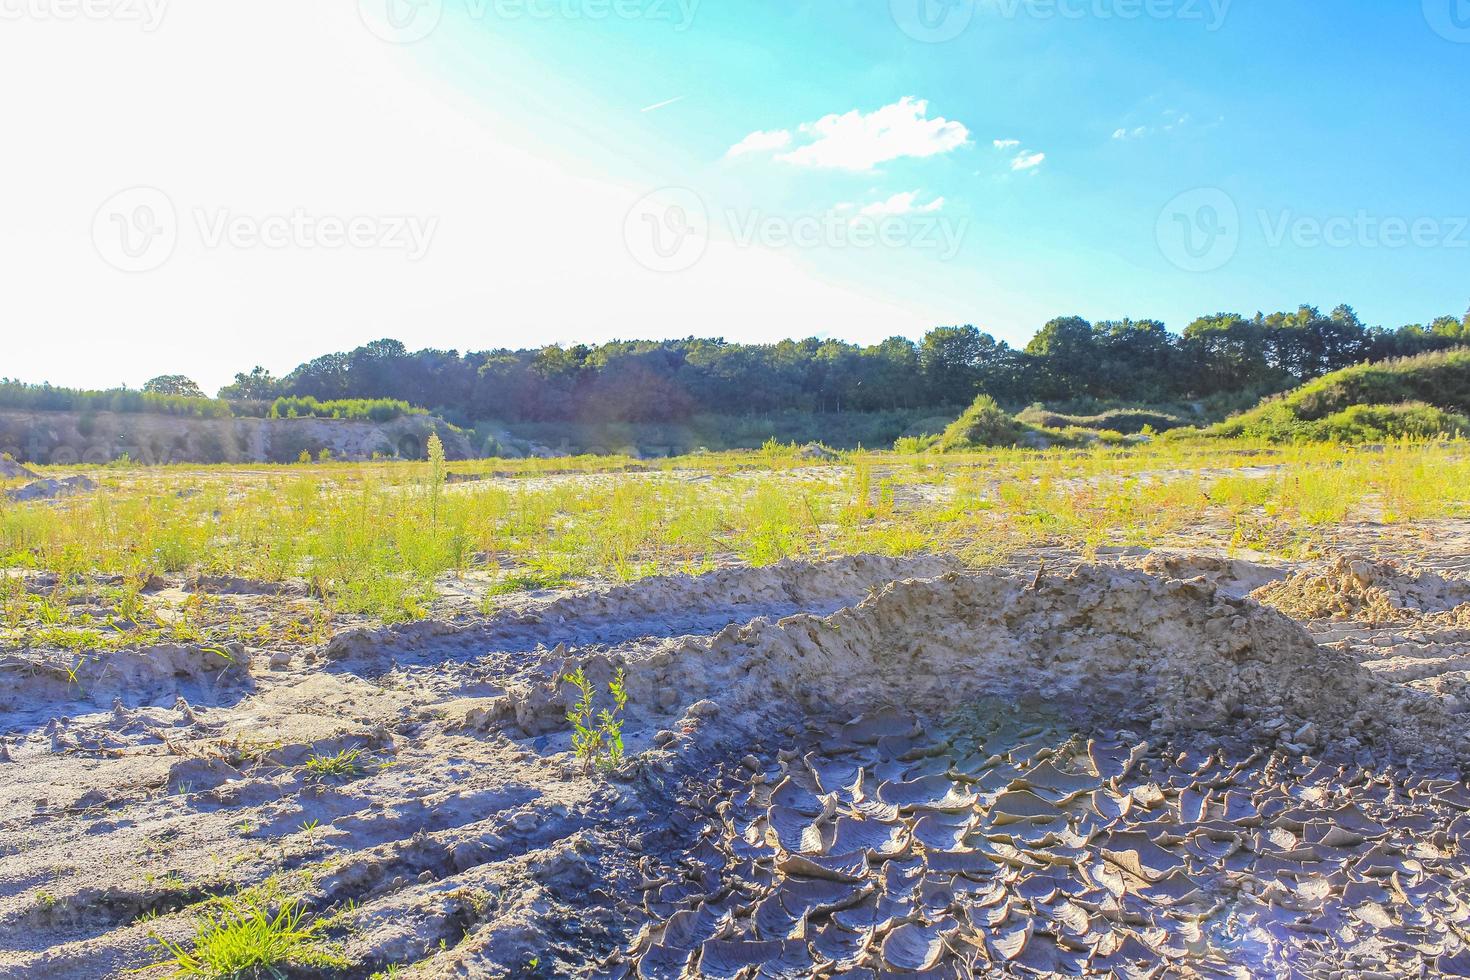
[597, 736]
[345, 766]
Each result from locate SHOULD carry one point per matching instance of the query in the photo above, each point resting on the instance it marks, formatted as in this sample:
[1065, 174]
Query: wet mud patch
[990, 843]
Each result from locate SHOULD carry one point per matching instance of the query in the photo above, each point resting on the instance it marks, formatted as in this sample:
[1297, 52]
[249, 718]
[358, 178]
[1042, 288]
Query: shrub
[913, 445]
[983, 424]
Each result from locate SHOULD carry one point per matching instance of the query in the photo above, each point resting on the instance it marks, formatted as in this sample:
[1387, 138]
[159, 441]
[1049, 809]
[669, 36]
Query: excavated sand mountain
[1175, 655]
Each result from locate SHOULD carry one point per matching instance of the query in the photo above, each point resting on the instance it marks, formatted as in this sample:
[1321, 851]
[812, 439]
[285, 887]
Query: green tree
[258, 385]
[173, 384]
[1069, 356]
[949, 358]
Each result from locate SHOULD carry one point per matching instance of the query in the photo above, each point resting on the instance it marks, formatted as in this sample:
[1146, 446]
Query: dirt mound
[97, 437]
[1174, 656]
[1233, 576]
[1364, 590]
[817, 451]
[30, 680]
[51, 489]
[11, 470]
[661, 606]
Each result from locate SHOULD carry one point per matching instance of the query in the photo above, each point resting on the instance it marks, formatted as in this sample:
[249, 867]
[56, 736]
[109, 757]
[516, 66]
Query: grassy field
[373, 539]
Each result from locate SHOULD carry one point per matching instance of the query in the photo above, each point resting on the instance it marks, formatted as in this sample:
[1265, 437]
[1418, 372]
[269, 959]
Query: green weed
[597, 736]
[242, 939]
[345, 766]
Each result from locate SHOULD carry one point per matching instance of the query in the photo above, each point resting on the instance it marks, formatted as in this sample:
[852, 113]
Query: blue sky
[1297, 111]
[1111, 158]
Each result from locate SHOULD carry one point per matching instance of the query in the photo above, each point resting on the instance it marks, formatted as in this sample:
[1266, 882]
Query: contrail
[660, 105]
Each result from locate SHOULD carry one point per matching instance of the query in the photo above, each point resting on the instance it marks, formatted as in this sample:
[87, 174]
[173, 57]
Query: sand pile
[1171, 656]
[51, 489]
[1232, 576]
[1368, 591]
[660, 606]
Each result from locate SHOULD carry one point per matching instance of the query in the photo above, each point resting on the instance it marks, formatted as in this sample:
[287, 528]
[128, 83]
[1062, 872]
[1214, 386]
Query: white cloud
[1027, 161]
[860, 141]
[664, 104]
[761, 142]
[1173, 119]
[902, 203]
[1006, 144]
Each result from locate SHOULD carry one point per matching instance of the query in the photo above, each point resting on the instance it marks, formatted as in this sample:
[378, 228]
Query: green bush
[1381, 423]
[913, 445]
[352, 409]
[983, 425]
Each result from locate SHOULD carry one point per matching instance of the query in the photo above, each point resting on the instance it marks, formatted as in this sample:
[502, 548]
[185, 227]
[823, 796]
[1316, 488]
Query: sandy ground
[1160, 763]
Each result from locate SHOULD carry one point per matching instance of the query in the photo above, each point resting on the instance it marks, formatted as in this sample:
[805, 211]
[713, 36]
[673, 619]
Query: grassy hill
[985, 425]
[1128, 421]
[1414, 397]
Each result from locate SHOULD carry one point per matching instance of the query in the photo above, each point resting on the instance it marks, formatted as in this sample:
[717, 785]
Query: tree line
[669, 381]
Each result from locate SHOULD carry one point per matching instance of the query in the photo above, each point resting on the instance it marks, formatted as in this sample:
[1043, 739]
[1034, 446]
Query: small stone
[751, 762]
[524, 822]
[703, 709]
[280, 660]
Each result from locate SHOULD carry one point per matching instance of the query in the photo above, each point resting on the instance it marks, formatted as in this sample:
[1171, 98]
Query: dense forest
[670, 381]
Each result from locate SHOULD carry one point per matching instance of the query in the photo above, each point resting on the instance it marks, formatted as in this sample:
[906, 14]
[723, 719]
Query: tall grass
[373, 538]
